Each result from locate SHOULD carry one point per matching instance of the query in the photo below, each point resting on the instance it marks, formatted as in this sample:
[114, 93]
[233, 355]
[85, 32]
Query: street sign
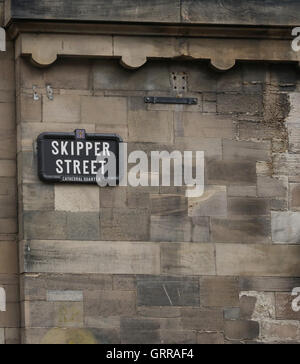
[76, 157]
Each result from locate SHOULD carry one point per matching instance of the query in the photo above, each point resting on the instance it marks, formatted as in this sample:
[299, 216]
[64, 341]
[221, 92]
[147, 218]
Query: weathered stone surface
[166, 205]
[249, 13]
[93, 257]
[188, 259]
[8, 226]
[27, 163]
[109, 303]
[121, 224]
[170, 229]
[201, 230]
[139, 331]
[232, 313]
[112, 197]
[108, 75]
[212, 147]
[74, 74]
[37, 197]
[212, 203]
[269, 284]
[62, 109]
[251, 151]
[210, 338]
[8, 145]
[7, 120]
[83, 226]
[104, 110]
[284, 310]
[77, 198]
[58, 314]
[207, 126]
[241, 230]
[100, 11]
[8, 258]
[248, 206]
[151, 126]
[294, 137]
[257, 260]
[286, 165]
[99, 322]
[41, 225]
[239, 103]
[271, 187]
[10, 210]
[11, 317]
[285, 227]
[159, 312]
[124, 283]
[31, 110]
[219, 292]
[224, 173]
[12, 336]
[241, 330]
[62, 336]
[167, 291]
[35, 287]
[138, 198]
[64, 296]
[106, 336]
[7, 168]
[294, 197]
[280, 331]
[202, 320]
[172, 337]
[247, 307]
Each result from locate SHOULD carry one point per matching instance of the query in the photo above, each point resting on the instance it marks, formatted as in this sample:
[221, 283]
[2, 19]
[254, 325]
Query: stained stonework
[9, 282]
[194, 256]
[148, 264]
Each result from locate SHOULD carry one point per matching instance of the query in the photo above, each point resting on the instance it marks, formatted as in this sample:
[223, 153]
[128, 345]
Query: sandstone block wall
[9, 281]
[147, 265]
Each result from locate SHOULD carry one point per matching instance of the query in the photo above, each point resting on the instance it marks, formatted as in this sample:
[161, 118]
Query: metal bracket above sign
[171, 100]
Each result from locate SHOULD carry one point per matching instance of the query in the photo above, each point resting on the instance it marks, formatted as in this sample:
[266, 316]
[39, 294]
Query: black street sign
[76, 157]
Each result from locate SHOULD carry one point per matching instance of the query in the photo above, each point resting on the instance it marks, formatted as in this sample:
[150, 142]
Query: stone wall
[9, 320]
[147, 265]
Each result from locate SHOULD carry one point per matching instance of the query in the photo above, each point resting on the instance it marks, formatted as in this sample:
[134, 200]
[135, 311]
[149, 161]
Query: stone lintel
[134, 51]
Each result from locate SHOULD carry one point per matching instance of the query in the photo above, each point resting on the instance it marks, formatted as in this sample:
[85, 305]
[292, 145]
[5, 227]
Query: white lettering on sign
[80, 149]
[2, 300]
[296, 301]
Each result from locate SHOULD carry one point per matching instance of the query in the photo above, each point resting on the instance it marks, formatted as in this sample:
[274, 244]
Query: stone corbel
[134, 51]
[2, 40]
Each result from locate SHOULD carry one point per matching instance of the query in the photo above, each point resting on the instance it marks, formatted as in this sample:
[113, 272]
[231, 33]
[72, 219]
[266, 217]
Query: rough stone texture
[77, 198]
[196, 319]
[147, 265]
[241, 230]
[219, 292]
[241, 330]
[285, 227]
[167, 291]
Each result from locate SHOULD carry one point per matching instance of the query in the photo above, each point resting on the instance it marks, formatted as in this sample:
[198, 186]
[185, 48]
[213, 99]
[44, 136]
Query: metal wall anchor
[50, 93]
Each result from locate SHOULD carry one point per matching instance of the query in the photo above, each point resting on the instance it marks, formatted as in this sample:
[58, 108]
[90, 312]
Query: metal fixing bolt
[36, 96]
[50, 93]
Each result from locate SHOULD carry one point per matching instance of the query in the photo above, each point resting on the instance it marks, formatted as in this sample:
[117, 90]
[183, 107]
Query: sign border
[71, 136]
